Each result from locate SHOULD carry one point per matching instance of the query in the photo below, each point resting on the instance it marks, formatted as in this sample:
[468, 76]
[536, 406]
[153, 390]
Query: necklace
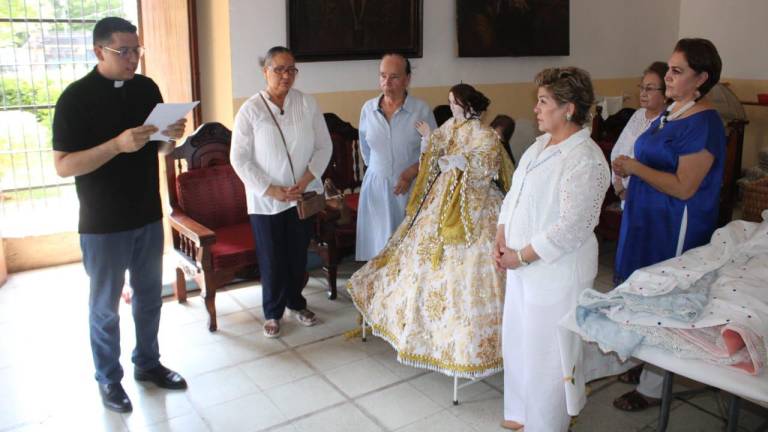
[667, 116]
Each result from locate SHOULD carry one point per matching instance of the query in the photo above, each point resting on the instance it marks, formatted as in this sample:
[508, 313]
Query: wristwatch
[523, 262]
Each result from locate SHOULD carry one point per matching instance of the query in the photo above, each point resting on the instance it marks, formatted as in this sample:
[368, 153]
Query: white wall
[609, 38]
[738, 28]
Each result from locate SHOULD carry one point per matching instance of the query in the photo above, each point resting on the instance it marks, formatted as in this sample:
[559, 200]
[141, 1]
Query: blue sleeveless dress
[656, 226]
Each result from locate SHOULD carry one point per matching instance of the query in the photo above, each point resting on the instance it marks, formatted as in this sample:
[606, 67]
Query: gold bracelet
[520, 258]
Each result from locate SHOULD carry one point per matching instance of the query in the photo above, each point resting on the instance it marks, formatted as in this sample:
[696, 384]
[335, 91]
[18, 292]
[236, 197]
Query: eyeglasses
[125, 52]
[648, 89]
[282, 70]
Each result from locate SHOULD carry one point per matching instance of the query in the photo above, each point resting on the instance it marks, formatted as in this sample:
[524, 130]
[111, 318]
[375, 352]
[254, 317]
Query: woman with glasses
[280, 148]
[675, 177]
[546, 244]
[652, 103]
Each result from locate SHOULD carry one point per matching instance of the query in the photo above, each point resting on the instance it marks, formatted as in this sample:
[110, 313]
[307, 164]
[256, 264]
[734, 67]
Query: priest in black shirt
[99, 139]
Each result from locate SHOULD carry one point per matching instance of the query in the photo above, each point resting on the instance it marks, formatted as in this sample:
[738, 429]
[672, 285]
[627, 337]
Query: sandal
[272, 328]
[512, 425]
[631, 376]
[305, 317]
[634, 401]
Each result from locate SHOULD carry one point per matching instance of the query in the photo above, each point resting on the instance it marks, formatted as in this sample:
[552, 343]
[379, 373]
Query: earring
[568, 117]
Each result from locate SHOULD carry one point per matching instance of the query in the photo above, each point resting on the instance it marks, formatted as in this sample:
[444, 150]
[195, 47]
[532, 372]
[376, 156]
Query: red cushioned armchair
[209, 220]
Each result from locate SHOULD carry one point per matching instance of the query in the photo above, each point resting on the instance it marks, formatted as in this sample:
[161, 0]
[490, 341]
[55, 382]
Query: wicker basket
[755, 199]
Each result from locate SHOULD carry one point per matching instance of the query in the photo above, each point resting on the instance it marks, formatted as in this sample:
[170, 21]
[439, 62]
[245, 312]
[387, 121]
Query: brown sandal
[631, 376]
[272, 328]
[512, 425]
[634, 401]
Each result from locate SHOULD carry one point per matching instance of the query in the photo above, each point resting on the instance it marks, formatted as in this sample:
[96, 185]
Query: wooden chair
[606, 133]
[731, 169]
[209, 218]
[345, 170]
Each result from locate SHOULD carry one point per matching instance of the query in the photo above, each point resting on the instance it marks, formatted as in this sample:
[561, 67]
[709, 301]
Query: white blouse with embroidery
[554, 205]
[259, 156]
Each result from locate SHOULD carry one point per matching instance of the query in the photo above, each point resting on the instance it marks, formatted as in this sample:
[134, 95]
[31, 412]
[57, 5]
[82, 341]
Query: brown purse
[310, 203]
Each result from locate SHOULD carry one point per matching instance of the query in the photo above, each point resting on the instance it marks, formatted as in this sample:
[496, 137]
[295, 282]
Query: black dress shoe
[162, 377]
[114, 398]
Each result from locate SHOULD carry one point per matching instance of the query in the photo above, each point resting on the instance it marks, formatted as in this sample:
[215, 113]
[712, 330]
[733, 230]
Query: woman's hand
[423, 128]
[618, 187]
[508, 259]
[498, 246]
[282, 193]
[624, 166]
[405, 179]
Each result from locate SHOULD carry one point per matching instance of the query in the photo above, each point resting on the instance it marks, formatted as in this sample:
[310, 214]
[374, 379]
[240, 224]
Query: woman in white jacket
[545, 240]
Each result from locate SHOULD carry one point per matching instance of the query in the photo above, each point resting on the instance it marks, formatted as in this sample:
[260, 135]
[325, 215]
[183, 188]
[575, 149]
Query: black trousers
[281, 249]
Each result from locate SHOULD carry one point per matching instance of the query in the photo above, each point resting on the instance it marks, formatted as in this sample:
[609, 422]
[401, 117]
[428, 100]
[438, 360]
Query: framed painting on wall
[354, 29]
[513, 28]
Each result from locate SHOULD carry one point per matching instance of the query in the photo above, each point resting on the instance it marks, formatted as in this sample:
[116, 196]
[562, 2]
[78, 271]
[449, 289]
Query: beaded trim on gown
[433, 292]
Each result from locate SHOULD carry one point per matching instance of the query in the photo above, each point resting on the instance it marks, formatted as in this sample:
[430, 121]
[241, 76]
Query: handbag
[311, 202]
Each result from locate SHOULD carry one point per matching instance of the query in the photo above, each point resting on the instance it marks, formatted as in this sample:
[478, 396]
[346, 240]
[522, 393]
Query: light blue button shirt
[388, 148]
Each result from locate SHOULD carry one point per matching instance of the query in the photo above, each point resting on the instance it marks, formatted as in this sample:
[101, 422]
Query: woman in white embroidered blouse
[545, 240]
[652, 103]
[280, 148]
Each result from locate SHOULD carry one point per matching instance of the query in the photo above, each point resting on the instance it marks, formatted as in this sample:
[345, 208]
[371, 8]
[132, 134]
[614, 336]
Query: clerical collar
[119, 84]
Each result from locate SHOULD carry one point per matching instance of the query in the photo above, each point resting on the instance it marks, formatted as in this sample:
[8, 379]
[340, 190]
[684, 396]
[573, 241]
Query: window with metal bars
[44, 46]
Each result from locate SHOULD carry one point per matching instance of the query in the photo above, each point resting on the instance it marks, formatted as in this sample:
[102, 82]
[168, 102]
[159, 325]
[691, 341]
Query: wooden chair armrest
[188, 227]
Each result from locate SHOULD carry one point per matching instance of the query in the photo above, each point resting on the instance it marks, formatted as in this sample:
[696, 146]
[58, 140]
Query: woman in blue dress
[675, 179]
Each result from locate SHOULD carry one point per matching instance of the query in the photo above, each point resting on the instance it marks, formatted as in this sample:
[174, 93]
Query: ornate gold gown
[433, 292]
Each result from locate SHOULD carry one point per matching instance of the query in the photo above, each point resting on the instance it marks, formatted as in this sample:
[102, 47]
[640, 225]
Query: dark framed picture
[513, 28]
[322, 30]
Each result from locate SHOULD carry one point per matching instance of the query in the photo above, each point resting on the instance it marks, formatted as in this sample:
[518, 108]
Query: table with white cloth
[739, 384]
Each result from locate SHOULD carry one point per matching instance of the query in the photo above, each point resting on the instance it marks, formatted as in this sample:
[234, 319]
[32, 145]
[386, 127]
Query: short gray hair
[275, 50]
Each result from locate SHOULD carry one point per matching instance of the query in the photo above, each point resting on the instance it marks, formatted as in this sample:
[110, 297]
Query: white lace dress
[625, 144]
[553, 205]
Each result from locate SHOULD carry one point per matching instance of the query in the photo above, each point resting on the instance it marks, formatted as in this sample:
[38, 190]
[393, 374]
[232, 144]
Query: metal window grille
[44, 46]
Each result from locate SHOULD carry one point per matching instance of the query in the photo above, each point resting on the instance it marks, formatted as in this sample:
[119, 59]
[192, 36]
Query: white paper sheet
[165, 114]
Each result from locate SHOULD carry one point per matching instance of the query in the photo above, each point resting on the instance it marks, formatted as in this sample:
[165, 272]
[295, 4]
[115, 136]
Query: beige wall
[517, 100]
[738, 30]
[514, 99]
[215, 61]
[26, 253]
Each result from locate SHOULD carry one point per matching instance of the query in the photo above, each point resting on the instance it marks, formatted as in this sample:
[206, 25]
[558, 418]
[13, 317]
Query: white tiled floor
[311, 379]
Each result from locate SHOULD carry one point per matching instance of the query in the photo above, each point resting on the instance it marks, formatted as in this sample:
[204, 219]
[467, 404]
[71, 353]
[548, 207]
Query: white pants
[534, 388]
[651, 382]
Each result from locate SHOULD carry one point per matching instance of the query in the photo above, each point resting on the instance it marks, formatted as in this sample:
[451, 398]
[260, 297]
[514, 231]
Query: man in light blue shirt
[390, 146]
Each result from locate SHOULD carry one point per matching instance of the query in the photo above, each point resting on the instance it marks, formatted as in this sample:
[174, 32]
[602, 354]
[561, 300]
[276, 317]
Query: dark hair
[442, 114]
[405, 59]
[102, 31]
[507, 126]
[659, 69]
[473, 102]
[701, 56]
[275, 50]
[569, 85]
